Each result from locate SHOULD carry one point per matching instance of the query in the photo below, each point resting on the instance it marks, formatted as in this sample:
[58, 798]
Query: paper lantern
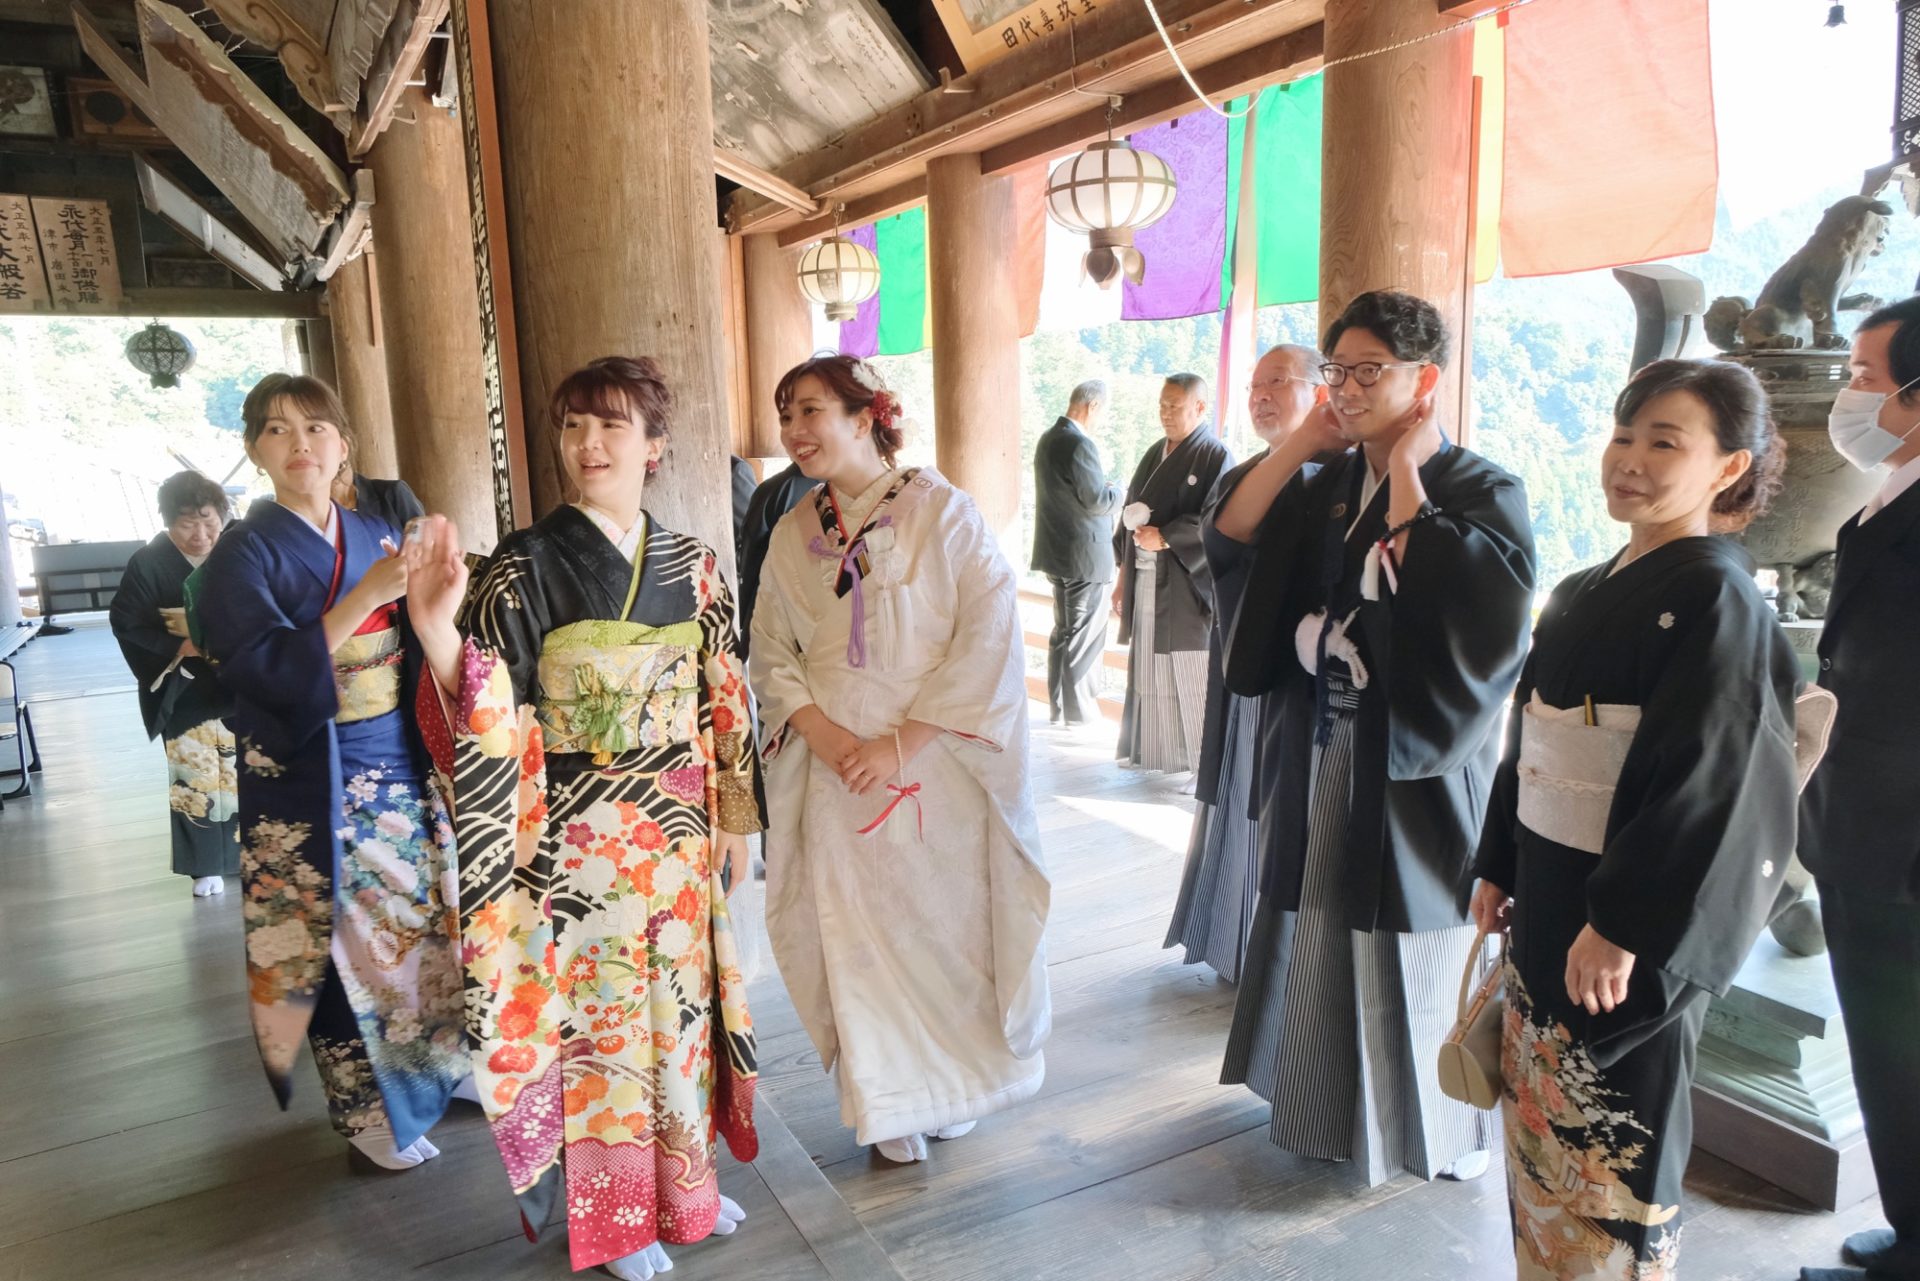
[839, 275]
[1109, 191]
[161, 353]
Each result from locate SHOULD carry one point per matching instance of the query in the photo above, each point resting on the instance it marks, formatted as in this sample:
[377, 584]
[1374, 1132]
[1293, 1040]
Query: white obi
[1570, 769]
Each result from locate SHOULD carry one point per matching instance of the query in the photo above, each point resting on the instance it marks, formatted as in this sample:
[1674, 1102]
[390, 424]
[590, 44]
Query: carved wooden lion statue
[1799, 305]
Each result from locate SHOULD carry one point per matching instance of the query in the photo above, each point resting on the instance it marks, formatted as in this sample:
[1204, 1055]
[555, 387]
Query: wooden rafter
[1274, 62]
[1113, 50]
[734, 167]
[858, 213]
[395, 66]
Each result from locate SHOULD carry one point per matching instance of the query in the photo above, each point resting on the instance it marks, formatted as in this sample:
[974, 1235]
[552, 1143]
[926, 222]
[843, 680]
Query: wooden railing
[1114, 656]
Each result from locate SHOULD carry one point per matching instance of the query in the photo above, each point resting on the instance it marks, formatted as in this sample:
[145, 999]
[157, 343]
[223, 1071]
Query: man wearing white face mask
[1859, 828]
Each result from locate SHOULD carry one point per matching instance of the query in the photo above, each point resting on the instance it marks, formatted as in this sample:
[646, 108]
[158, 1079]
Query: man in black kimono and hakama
[1388, 626]
[1165, 594]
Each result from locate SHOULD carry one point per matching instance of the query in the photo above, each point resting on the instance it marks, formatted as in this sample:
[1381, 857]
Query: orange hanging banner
[1610, 154]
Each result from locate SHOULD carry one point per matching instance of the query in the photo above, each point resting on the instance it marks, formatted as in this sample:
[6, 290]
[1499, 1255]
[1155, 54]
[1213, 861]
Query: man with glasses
[1215, 907]
[1165, 596]
[1396, 584]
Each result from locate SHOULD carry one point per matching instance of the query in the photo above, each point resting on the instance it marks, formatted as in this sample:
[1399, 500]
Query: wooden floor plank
[142, 1144]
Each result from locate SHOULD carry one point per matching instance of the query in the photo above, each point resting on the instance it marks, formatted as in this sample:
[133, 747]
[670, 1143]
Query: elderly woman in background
[180, 698]
[1641, 821]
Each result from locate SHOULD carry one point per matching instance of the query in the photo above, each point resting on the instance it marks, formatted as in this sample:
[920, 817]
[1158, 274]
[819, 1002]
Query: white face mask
[1853, 424]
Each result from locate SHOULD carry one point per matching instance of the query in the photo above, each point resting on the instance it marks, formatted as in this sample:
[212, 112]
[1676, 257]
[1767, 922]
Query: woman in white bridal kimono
[906, 897]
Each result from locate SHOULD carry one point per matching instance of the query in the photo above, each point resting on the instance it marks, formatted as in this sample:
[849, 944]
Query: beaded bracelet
[1427, 512]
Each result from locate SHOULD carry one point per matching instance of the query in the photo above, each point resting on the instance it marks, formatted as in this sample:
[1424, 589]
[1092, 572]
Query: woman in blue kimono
[346, 844]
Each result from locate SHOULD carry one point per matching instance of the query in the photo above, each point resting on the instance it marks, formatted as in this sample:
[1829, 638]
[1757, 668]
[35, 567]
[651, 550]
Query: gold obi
[611, 687]
[366, 674]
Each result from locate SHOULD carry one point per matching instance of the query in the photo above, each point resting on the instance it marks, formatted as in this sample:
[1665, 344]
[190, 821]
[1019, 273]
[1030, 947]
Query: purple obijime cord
[850, 566]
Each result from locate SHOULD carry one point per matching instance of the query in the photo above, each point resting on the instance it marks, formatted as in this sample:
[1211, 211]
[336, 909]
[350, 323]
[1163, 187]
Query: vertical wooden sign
[76, 241]
[23, 277]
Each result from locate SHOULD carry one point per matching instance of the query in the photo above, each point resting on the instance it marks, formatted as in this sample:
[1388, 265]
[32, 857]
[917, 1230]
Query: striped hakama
[1339, 1028]
[1166, 693]
[1214, 912]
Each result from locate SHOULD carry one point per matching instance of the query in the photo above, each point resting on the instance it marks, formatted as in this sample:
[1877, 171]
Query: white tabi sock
[426, 1149]
[731, 1217]
[903, 1150]
[959, 1131]
[1470, 1166]
[642, 1265]
[208, 886]
[377, 1146]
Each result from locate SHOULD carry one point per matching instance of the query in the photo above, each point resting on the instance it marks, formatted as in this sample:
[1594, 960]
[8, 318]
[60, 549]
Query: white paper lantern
[839, 274]
[1109, 191]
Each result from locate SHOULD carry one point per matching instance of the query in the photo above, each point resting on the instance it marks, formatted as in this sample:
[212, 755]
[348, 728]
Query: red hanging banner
[1610, 148]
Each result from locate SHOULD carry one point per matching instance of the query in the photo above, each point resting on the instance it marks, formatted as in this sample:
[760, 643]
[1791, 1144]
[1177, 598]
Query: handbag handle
[1466, 977]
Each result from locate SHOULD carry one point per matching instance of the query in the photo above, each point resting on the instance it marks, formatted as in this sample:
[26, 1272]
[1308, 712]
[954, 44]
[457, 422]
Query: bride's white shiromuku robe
[907, 923]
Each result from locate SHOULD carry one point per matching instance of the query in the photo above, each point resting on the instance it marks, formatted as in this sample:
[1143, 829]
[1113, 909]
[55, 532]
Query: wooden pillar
[606, 128]
[779, 334]
[430, 304]
[1394, 163]
[976, 335]
[360, 365]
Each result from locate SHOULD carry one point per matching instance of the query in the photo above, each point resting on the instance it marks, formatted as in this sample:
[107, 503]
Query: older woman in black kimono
[1641, 821]
[181, 700]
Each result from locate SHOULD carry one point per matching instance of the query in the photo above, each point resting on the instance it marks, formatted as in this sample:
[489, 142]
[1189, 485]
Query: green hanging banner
[900, 242]
[1286, 169]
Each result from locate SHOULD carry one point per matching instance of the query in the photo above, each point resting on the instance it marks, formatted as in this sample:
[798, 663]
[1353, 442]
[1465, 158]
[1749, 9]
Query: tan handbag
[1470, 1056]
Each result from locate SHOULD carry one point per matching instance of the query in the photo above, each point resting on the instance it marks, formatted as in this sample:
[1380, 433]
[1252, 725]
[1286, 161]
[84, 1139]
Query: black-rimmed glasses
[1366, 373]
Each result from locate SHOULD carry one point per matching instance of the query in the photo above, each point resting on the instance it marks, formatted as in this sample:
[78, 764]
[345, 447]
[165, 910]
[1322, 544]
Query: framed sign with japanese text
[983, 30]
[76, 242]
[23, 277]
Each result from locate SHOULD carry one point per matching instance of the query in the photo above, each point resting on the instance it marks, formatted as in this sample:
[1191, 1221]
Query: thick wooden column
[779, 335]
[606, 129]
[430, 303]
[976, 335]
[360, 365]
[1394, 163]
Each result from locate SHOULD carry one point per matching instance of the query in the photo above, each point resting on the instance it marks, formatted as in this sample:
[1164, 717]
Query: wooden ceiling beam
[857, 213]
[1116, 41]
[1275, 62]
[1468, 10]
[407, 46]
[736, 168]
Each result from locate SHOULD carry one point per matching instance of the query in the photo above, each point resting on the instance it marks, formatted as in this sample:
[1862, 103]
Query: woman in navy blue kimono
[346, 844]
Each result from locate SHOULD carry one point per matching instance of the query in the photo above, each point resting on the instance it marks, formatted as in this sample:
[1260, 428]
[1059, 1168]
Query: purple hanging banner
[1185, 249]
[861, 335]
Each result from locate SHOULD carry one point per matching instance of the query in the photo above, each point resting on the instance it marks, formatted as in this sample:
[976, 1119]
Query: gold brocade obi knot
[366, 674]
[610, 687]
[1569, 769]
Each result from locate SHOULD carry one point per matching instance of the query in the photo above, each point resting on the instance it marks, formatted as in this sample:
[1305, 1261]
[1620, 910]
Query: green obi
[610, 687]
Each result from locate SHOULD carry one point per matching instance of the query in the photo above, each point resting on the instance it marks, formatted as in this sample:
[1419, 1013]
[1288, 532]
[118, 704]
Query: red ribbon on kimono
[911, 792]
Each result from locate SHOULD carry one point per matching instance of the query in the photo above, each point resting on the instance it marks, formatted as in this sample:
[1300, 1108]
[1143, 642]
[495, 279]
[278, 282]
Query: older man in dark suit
[1859, 826]
[1073, 515]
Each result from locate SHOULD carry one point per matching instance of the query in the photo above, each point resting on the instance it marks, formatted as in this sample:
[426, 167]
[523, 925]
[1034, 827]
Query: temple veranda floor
[139, 1141]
